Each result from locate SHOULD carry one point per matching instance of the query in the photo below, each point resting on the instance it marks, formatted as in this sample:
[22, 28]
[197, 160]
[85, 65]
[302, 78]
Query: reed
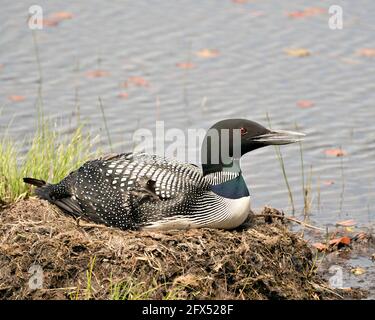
[342, 182]
[282, 165]
[306, 184]
[105, 124]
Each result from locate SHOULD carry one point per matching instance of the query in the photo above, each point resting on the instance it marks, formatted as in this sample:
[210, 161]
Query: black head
[231, 138]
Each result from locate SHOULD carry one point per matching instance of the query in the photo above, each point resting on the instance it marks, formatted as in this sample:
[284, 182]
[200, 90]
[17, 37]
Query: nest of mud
[47, 255]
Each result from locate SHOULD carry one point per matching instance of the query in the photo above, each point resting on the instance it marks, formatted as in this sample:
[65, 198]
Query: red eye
[243, 131]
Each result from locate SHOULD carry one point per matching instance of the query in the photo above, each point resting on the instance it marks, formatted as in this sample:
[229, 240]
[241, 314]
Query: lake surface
[249, 75]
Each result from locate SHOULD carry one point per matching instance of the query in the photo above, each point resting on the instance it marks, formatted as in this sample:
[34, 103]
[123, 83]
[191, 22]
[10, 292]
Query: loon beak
[279, 137]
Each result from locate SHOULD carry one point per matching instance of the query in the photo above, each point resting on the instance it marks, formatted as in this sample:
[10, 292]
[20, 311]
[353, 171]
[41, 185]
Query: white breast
[223, 213]
[237, 212]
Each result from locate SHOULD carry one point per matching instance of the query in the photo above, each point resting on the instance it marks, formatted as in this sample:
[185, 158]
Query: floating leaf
[298, 52]
[16, 98]
[185, 65]
[207, 53]
[55, 18]
[346, 223]
[136, 81]
[123, 95]
[50, 22]
[335, 152]
[320, 246]
[62, 15]
[358, 271]
[97, 74]
[366, 52]
[304, 104]
[296, 14]
[343, 241]
[328, 182]
[314, 10]
[308, 12]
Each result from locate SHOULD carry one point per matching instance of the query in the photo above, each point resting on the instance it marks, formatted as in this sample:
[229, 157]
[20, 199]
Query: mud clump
[88, 261]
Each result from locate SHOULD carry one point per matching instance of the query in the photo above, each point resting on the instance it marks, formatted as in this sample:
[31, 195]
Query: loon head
[230, 139]
[253, 135]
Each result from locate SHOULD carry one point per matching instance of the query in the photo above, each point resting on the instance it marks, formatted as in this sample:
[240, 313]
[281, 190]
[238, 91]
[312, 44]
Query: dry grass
[88, 261]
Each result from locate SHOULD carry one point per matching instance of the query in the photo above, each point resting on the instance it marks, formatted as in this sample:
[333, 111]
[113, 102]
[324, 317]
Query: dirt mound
[47, 255]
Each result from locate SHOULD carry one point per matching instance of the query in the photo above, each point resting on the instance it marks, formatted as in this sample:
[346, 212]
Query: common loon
[140, 191]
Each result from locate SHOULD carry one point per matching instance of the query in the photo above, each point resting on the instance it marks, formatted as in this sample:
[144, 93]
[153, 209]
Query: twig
[317, 286]
[290, 219]
[91, 225]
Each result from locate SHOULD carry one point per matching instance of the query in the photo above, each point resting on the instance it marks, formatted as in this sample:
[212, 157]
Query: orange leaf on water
[50, 22]
[335, 152]
[137, 81]
[123, 95]
[366, 52]
[298, 52]
[185, 65]
[340, 241]
[55, 18]
[97, 74]
[61, 15]
[296, 14]
[308, 12]
[304, 104]
[346, 223]
[328, 182]
[315, 10]
[16, 98]
[207, 53]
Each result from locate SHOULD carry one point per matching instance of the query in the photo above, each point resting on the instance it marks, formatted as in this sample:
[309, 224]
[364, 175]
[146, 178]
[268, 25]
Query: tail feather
[35, 182]
[65, 202]
[43, 188]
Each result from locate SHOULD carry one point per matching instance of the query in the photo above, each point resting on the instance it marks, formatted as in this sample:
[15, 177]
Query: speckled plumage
[112, 191]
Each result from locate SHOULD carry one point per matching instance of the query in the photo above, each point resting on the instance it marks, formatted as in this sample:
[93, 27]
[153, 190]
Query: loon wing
[125, 190]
